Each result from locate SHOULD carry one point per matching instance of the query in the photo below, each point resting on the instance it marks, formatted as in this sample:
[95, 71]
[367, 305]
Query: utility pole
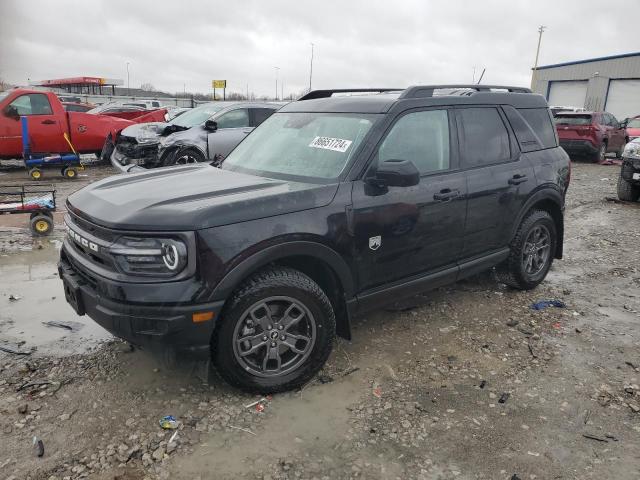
[541, 29]
[127, 78]
[277, 69]
[282, 90]
[247, 91]
[311, 69]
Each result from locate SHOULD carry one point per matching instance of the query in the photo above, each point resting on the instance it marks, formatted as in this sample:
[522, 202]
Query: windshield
[198, 115]
[634, 123]
[308, 145]
[573, 119]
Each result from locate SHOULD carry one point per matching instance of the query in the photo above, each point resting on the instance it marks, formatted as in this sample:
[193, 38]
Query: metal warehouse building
[607, 83]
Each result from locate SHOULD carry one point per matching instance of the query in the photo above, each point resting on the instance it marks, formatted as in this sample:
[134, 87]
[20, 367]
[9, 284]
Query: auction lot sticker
[328, 143]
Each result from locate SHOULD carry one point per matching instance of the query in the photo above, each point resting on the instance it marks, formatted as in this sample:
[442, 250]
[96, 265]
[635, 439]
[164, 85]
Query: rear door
[616, 133]
[499, 179]
[410, 231]
[233, 126]
[45, 128]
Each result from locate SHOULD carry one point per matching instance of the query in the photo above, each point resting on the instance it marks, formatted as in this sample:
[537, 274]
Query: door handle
[48, 122]
[517, 179]
[446, 194]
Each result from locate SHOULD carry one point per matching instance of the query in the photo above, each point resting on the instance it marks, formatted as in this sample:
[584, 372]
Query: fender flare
[237, 274]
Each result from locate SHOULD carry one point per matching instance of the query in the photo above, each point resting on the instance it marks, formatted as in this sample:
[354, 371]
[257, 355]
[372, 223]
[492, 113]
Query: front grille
[91, 242]
[129, 147]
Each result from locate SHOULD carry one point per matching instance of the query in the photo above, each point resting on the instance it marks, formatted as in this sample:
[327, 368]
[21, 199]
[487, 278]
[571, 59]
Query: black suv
[335, 205]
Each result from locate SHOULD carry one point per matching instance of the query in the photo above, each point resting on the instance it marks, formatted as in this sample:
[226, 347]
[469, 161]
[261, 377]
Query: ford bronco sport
[335, 205]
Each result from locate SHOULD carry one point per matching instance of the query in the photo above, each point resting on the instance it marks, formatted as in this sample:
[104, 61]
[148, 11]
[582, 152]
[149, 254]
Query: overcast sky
[357, 43]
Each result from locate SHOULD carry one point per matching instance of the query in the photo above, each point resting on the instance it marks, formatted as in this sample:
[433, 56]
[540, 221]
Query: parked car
[629, 180]
[592, 134]
[130, 112]
[48, 121]
[633, 127]
[335, 205]
[555, 109]
[208, 132]
[77, 107]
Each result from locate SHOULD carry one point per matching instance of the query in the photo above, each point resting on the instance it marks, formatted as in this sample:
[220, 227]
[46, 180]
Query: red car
[592, 134]
[633, 127]
[48, 121]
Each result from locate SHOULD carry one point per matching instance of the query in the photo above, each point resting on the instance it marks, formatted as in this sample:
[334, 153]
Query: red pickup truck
[48, 121]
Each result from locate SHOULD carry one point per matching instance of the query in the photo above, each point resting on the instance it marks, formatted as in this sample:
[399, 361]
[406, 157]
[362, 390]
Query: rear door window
[234, 119]
[260, 115]
[540, 122]
[484, 139]
[32, 104]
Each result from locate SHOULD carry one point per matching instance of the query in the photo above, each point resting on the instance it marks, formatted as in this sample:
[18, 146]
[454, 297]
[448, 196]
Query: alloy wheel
[536, 251]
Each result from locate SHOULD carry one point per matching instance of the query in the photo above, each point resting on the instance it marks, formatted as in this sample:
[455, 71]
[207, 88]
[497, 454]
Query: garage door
[623, 99]
[568, 94]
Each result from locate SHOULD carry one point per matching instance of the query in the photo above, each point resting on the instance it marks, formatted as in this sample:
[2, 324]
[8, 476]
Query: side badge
[375, 242]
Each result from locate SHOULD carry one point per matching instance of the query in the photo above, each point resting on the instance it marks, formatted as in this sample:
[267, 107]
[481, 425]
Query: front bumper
[153, 326]
[125, 164]
[579, 147]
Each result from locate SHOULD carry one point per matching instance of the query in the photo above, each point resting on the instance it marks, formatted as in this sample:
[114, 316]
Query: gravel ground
[464, 382]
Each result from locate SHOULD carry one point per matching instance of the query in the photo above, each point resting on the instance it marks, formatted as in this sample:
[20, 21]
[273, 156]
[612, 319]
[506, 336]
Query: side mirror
[624, 123]
[12, 112]
[211, 125]
[396, 173]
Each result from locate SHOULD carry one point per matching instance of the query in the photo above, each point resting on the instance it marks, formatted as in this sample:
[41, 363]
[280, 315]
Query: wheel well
[321, 273]
[556, 213]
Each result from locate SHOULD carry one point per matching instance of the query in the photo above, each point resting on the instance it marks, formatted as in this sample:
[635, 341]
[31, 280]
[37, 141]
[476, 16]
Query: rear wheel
[626, 190]
[602, 153]
[69, 172]
[276, 332]
[532, 251]
[41, 225]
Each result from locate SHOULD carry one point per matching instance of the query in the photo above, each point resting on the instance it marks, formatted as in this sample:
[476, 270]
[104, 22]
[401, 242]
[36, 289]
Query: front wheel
[626, 190]
[276, 332]
[532, 251]
[183, 157]
[601, 156]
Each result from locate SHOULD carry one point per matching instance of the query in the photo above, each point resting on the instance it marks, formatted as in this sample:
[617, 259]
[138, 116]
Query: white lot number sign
[328, 143]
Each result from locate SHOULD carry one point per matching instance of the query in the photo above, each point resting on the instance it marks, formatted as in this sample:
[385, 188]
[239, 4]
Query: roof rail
[313, 94]
[421, 91]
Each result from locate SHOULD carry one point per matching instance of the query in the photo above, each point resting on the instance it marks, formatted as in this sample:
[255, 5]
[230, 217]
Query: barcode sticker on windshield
[328, 143]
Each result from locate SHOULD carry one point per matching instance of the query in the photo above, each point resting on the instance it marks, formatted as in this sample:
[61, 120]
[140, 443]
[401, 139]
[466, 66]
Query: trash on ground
[542, 304]
[38, 446]
[595, 437]
[377, 392]
[504, 397]
[253, 404]
[173, 437]
[325, 379]
[350, 371]
[260, 407]
[13, 350]
[14, 298]
[53, 323]
[242, 429]
[483, 384]
[168, 422]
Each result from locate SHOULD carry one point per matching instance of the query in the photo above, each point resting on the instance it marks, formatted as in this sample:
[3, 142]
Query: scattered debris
[611, 437]
[325, 379]
[542, 304]
[634, 407]
[38, 446]
[252, 404]
[168, 422]
[515, 477]
[13, 351]
[595, 437]
[377, 392]
[483, 384]
[350, 371]
[33, 384]
[14, 298]
[260, 407]
[512, 322]
[23, 409]
[504, 397]
[242, 429]
[53, 323]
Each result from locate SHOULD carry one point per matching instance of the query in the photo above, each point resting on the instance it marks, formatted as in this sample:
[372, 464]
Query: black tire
[627, 191]
[35, 173]
[272, 285]
[183, 157]
[69, 173]
[41, 225]
[513, 271]
[601, 156]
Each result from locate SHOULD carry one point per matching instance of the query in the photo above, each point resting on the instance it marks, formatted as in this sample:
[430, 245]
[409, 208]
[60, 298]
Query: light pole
[127, 79]
[311, 69]
[541, 29]
[277, 70]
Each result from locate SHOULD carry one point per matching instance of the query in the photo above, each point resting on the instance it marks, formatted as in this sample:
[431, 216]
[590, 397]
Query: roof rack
[313, 94]
[422, 91]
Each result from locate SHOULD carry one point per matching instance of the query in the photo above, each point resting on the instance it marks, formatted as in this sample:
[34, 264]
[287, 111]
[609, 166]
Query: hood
[193, 136]
[191, 198]
[138, 130]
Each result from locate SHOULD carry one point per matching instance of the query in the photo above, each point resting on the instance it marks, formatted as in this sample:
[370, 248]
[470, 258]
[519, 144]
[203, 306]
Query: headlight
[159, 257]
[632, 150]
[147, 140]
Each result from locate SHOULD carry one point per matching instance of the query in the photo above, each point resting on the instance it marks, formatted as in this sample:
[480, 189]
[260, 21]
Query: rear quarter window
[540, 122]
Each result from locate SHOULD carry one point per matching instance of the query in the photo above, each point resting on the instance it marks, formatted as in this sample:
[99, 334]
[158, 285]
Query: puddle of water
[33, 277]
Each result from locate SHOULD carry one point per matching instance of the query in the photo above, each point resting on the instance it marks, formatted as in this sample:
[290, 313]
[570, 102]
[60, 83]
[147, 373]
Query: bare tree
[147, 87]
